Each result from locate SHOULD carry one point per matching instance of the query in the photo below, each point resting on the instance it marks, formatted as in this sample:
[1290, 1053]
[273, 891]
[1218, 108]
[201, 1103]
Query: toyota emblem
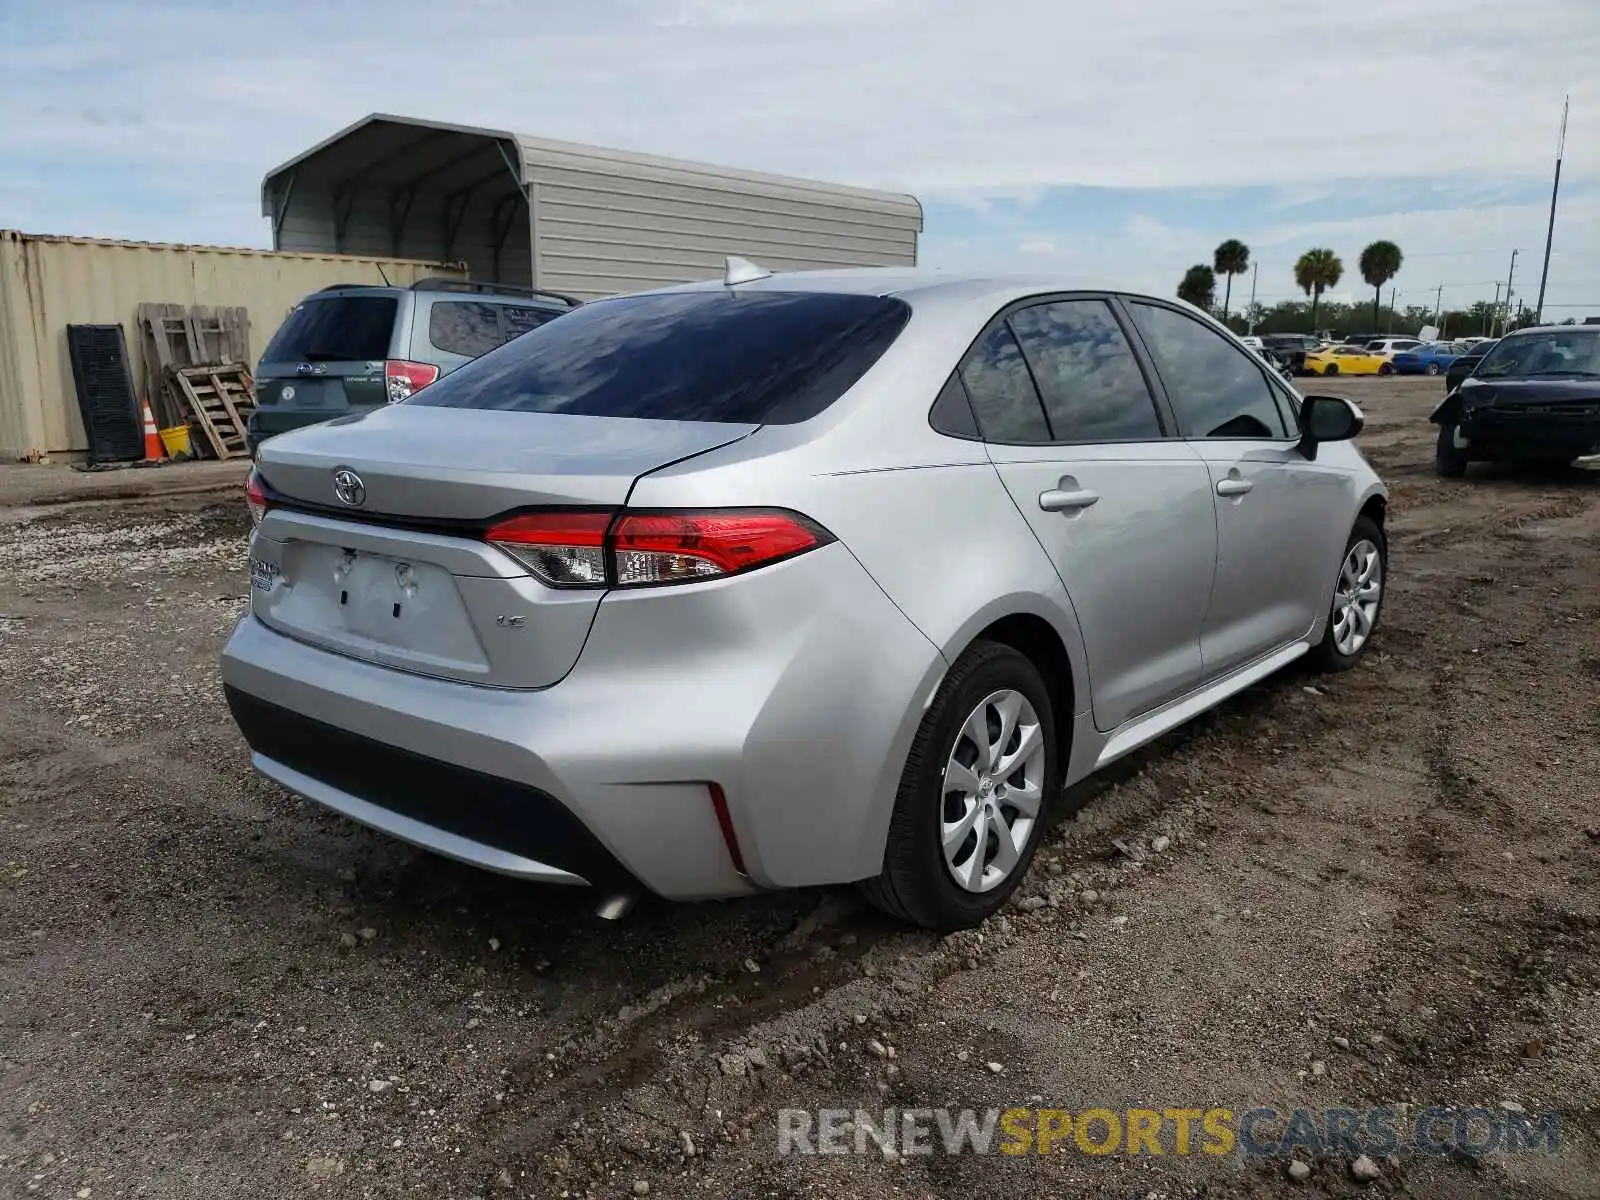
[348, 487]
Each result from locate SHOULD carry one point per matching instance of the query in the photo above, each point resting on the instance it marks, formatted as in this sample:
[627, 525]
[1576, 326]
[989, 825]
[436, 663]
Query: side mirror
[1327, 419]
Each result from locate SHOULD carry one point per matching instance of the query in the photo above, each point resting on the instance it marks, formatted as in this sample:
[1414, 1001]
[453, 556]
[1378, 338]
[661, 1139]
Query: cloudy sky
[1120, 140]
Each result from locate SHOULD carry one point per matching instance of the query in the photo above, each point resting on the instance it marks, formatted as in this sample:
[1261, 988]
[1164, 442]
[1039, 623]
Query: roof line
[373, 119]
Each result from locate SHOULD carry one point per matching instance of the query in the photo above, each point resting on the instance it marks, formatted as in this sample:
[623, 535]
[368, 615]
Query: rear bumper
[796, 689]
[492, 823]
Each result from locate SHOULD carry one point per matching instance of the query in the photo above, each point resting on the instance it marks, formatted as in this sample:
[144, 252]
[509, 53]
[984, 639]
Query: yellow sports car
[1344, 360]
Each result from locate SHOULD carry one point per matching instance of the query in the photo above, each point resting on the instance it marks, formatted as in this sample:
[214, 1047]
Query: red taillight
[407, 378]
[255, 496]
[601, 549]
[677, 547]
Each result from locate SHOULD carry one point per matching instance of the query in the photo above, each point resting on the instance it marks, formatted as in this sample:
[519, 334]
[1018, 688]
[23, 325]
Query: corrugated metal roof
[394, 139]
[578, 219]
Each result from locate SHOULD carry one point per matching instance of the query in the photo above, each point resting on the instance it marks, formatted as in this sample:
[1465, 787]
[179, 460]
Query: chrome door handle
[1233, 487]
[1056, 500]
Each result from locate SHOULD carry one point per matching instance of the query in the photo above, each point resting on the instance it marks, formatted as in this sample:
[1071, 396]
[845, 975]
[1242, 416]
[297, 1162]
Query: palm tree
[1230, 259]
[1316, 272]
[1380, 262]
[1199, 286]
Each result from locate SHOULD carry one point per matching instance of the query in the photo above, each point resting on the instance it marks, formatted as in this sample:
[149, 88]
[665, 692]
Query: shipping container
[48, 283]
[568, 218]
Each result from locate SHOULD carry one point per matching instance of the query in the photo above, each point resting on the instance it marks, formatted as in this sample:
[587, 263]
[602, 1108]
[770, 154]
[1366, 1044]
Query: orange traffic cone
[152, 439]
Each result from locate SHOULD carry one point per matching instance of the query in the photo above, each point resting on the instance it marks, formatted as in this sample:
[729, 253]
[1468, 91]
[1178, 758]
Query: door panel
[1275, 560]
[1132, 532]
[1274, 566]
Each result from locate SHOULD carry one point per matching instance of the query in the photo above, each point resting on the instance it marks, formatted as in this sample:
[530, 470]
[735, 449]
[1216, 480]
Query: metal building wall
[605, 221]
[48, 283]
[309, 225]
[566, 217]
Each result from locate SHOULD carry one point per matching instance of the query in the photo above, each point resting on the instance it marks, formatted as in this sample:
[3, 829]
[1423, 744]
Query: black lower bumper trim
[1518, 434]
[495, 812]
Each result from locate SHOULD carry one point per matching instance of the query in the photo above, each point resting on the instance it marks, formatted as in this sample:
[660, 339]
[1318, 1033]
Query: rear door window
[1004, 398]
[758, 357]
[1218, 390]
[335, 329]
[467, 327]
[1092, 386]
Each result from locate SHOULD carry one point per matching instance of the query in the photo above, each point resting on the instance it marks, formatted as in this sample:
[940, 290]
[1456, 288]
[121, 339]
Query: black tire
[1331, 369]
[1326, 655]
[1432, 368]
[916, 885]
[1450, 461]
[1385, 368]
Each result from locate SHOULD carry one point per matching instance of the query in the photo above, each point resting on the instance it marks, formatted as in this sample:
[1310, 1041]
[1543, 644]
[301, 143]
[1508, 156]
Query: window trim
[1129, 299]
[1165, 419]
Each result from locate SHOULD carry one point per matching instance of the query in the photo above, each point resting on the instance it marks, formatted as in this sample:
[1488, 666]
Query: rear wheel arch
[1376, 508]
[1037, 640]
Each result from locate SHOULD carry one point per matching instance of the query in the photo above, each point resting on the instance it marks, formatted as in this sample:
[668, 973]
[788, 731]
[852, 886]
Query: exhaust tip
[614, 908]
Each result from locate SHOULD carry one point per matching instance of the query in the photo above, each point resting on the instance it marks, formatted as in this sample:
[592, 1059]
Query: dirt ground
[1373, 889]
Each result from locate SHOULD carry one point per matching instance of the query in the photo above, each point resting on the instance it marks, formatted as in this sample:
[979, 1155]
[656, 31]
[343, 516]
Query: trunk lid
[331, 387]
[403, 577]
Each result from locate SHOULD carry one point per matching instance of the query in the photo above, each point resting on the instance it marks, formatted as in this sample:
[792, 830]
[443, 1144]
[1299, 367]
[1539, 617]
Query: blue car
[1430, 358]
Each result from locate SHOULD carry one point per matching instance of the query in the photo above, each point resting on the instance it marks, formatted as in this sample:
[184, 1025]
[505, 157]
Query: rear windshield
[762, 358]
[335, 329]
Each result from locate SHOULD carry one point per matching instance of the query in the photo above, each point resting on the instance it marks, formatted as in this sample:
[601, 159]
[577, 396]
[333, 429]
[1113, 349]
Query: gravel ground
[1372, 889]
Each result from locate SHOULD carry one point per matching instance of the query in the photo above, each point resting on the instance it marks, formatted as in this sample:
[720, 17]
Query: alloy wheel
[993, 788]
[1357, 596]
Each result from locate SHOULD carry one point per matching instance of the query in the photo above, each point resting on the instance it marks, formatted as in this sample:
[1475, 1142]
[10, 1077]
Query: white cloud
[939, 96]
[946, 98]
[1038, 247]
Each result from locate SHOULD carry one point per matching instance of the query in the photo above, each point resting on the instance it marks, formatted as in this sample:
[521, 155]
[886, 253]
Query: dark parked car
[350, 349]
[1466, 364]
[1534, 397]
[1291, 348]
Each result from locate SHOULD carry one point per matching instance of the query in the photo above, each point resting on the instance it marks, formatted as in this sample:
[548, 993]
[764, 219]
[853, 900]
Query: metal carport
[564, 217]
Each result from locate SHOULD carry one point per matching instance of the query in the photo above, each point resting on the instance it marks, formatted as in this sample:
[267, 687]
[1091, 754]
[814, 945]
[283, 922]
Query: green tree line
[1317, 271]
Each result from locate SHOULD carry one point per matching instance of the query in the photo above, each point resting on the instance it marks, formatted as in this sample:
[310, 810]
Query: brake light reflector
[719, 804]
[562, 548]
[255, 496]
[405, 379]
[679, 547]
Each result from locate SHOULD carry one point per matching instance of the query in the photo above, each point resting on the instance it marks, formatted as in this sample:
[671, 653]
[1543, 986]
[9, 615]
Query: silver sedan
[795, 579]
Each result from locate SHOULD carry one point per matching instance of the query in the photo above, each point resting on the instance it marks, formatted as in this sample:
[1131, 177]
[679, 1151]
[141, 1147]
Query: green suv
[352, 347]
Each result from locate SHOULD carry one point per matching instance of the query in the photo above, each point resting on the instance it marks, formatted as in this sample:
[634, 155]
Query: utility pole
[1250, 320]
[1550, 231]
[1393, 293]
[1511, 274]
[1438, 303]
[1493, 314]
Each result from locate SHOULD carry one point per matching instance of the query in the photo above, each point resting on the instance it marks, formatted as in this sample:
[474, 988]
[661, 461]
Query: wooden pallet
[219, 399]
[172, 336]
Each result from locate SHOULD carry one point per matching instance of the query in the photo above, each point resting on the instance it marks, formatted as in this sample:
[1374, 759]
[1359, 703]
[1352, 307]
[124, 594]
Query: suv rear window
[772, 358]
[335, 329]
